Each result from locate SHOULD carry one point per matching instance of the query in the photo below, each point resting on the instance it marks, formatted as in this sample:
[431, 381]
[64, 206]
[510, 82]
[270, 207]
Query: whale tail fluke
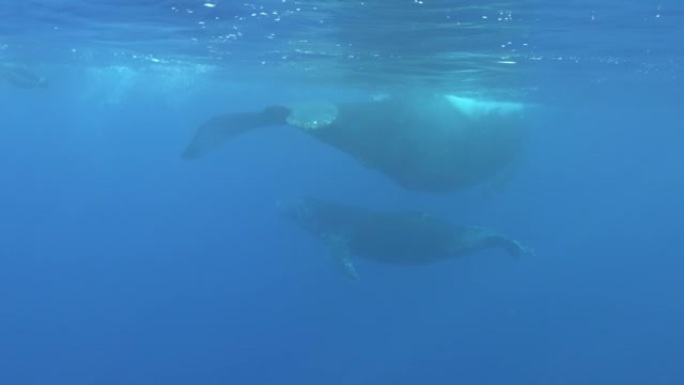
[491, 239]
[516, 249]
[213, 133]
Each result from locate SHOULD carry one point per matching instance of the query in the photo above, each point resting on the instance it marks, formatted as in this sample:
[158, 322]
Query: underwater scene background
[121, 263]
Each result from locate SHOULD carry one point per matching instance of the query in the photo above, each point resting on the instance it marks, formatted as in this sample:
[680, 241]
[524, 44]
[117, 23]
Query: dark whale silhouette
[423, 142]
[408, 238]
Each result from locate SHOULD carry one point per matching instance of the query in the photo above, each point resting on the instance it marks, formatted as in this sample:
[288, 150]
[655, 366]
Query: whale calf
[392, 237]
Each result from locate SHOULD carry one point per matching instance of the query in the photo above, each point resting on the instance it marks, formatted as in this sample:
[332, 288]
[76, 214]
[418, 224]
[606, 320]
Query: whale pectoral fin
[478, 238]
[513, 247]
[347, 267]
[219, 129]
[341, 257]
[526, 251]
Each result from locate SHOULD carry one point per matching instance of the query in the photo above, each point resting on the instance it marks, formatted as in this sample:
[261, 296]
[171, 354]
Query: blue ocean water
[120, 263]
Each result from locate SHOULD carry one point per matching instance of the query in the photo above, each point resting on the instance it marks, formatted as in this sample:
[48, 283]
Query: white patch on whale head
[477, 108]
[312, 116]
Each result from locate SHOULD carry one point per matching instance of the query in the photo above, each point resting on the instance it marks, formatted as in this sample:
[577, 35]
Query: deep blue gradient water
[122, 264]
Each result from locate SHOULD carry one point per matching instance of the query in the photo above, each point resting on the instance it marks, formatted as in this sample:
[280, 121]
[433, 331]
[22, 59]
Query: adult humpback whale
[428, 142]
[408, 238]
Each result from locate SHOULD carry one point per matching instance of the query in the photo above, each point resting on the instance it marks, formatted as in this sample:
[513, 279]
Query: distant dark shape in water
[426, 142]
[19, 76]
[404, 238]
